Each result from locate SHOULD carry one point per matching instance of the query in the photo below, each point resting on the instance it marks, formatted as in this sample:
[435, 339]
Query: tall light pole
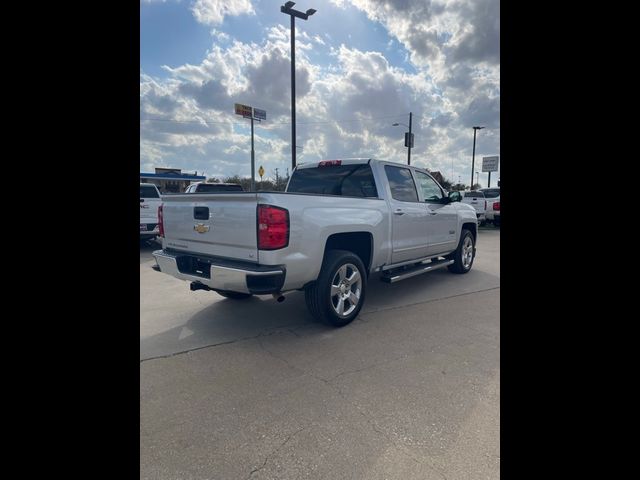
[477, 178]
[286, 8]
[408, 140]
[473, 156]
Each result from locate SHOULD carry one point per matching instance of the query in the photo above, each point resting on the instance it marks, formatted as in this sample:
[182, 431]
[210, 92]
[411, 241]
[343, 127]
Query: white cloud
[212, 12]
[345, 108]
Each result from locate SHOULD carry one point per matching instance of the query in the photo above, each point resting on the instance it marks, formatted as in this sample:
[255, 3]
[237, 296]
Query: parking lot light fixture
[287, 9]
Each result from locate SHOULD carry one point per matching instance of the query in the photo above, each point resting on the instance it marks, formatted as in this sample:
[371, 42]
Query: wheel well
[360, 243]
[473, 228]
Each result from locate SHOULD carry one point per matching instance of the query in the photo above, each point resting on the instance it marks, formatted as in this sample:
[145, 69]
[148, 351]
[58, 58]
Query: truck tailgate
[217, 224]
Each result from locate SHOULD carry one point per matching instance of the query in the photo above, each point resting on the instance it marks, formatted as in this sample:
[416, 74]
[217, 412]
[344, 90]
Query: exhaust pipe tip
[198, 286]
[278, 297]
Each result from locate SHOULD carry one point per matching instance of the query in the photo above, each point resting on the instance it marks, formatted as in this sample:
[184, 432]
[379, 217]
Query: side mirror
[455, 197]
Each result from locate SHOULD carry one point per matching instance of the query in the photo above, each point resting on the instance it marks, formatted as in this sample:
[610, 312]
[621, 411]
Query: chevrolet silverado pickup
[338, 223]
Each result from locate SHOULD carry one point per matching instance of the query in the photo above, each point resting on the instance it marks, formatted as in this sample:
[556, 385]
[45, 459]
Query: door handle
[432, 212]
[399, 212]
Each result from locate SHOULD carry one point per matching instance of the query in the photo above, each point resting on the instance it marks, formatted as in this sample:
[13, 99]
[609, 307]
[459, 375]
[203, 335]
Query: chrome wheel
[346, 288]
[467, 252]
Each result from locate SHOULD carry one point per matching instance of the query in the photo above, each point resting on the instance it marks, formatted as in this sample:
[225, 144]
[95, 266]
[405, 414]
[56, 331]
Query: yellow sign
[261, 171]
[244, 110]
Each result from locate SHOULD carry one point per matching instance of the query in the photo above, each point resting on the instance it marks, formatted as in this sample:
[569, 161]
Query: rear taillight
[160, 221]
[496, 205]
[273, 227]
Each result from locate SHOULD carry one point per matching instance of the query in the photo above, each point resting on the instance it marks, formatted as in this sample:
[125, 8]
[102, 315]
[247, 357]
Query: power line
[200, 122]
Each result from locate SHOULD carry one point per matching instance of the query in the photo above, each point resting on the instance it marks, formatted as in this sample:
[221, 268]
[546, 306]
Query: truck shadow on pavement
[227, 321]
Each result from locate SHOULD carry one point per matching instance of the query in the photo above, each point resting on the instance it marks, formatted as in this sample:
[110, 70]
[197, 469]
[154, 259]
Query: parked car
[204, 187]
[476, 199]
[493, 205]
[337, 223]
[150, 201]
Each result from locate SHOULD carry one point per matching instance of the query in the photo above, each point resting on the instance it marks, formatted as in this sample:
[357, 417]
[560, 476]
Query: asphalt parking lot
[254, 389]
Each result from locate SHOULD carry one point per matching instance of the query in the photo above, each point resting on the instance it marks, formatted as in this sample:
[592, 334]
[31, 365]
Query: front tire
[464, 254]
[338, 294]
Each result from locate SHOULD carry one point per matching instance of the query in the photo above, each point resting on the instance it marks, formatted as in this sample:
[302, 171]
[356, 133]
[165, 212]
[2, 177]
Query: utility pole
[410, 139]
[473, 155]
[253, 161]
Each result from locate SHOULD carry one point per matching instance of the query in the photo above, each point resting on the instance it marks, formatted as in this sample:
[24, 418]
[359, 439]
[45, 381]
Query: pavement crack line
[276, 450]
[395, 307]
[370, 420]
[169, 355]
[373, 365]
[264, 333]
[287, 327]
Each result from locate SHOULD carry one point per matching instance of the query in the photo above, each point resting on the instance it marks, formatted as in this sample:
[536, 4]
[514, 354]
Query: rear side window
[474, 195]
[401, 182]
[491, 193]
[147, 191]
[344, 180]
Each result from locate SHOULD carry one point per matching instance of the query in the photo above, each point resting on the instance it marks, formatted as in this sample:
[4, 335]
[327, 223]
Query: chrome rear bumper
[221, 274]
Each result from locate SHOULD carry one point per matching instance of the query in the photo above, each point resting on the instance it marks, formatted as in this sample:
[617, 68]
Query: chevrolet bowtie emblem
[201, 227]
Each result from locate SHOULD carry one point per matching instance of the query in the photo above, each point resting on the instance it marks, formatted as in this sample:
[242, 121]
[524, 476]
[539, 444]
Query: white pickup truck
[149, 204]
[493, 205]
[337, 223]
[476, 199]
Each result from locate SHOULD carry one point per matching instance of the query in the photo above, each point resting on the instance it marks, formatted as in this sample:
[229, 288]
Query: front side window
[402, 186]
[430, 189]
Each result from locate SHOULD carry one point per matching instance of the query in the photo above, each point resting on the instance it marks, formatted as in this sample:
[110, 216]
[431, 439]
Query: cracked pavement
[259, 390]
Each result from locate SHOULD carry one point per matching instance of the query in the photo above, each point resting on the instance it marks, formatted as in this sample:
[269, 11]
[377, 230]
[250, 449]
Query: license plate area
[194, 266]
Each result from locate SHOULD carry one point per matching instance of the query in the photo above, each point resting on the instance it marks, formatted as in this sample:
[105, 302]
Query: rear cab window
[212, 187]
[474, 195]
[491, 193]
[147, 191]
[354, 180]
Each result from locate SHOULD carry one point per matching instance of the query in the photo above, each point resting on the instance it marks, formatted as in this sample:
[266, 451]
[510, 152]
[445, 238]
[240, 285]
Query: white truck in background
[476, 199]
[338, 223]
[150, 201]
[493, 205]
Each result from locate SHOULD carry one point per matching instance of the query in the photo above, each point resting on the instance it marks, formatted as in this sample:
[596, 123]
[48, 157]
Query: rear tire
[234, 295]
[338, 294]
[465, 253]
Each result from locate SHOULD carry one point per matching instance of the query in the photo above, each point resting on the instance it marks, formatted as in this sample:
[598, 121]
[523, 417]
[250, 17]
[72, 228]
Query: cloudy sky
[361, 65]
